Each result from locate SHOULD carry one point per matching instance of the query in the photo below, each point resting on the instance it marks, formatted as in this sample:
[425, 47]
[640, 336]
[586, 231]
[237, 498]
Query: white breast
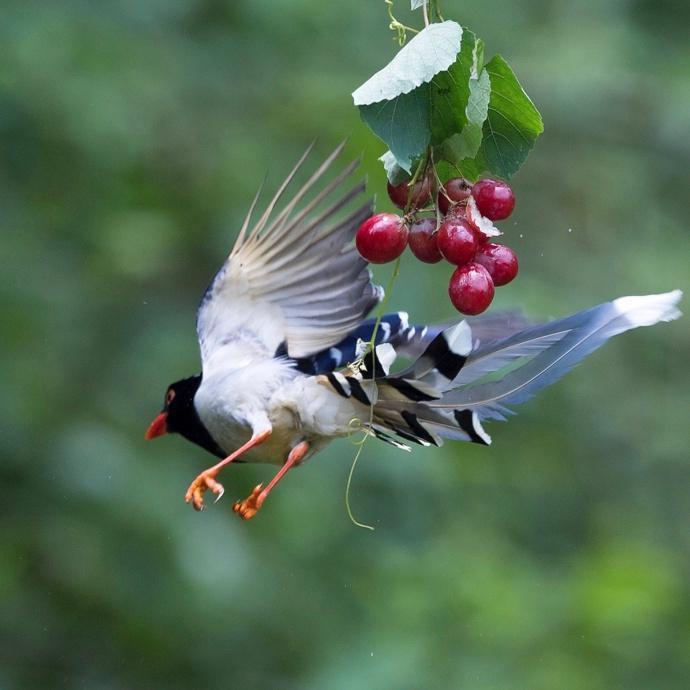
[243, 394]
[233, 403]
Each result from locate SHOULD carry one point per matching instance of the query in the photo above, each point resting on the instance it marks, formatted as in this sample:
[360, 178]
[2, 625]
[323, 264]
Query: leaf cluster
[437, 96]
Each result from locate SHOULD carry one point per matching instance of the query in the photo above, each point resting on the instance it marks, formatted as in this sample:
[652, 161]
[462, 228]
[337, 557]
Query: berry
[423, 241]
[495, 199]
[420, 196]
[481, 237]
[471, 289]
[381, 238]
[442, 203]
[456, 190]
[456, 240]
[500, 261]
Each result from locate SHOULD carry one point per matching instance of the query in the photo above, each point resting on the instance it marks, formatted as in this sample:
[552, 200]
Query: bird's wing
[409, 341]
[294, 280]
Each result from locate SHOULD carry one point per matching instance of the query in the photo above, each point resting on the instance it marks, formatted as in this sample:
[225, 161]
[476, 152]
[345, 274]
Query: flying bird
[284, 371]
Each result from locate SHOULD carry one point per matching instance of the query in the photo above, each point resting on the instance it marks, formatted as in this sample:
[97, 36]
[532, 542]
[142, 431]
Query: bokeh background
[132, 137]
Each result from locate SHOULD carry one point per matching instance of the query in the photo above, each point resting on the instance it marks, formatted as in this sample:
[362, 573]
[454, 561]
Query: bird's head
[178, 413]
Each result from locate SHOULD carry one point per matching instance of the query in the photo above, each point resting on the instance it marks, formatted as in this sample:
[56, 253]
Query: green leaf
[473, 168]
[445, 170]
[396, 101]
[466, 144]
[513, 123]
[450, 92]
[478, 57]
[403, 123]
[432, 50]
[395, 174]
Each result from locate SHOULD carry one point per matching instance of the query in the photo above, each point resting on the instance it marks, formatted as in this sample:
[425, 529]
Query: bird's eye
[169, 396]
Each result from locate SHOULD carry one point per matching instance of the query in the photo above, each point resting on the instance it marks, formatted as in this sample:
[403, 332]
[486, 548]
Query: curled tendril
[356, 427]
[396, 26]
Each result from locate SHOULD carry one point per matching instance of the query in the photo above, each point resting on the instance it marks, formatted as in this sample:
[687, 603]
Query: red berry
[420, 194]
[381, 238]
[455, 190]
[495, 199]
[471, 289]
[456, 240]
[481, 237]
[443, 203]
[500, 261]
[423, 241]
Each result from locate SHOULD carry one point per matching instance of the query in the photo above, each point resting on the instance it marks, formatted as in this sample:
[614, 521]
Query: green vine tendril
[366, 430]
[396, 26]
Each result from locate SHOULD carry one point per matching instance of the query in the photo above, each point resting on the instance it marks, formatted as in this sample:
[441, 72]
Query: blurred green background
[132, 137]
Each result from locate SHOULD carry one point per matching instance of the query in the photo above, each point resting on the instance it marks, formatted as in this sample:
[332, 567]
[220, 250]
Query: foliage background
[132, 136]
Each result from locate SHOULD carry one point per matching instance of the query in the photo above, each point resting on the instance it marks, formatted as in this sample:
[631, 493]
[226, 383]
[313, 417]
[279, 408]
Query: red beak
[158, 427]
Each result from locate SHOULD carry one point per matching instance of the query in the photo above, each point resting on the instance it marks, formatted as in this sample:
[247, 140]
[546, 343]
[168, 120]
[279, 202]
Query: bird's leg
[249, 507]
[207, 479]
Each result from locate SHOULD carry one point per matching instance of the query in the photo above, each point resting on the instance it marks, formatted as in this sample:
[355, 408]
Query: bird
[291, 358]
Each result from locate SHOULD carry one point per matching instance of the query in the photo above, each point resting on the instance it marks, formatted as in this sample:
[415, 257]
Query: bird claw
[195, 493]
[250, 506]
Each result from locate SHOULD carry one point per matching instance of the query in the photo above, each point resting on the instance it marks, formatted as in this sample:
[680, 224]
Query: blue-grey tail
[458, 381]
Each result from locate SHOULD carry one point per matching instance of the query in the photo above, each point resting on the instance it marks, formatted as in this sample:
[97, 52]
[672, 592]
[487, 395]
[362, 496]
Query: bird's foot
[250, 506]
[205, 481]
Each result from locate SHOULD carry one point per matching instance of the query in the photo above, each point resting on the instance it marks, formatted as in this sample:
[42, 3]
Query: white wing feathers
[294, 278]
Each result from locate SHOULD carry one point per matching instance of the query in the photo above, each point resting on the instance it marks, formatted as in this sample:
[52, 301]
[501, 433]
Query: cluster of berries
[459, 231]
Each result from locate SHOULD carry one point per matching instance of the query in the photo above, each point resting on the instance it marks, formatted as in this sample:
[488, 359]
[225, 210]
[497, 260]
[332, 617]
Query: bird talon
[204, 482]
[251, 505]
[219, 494]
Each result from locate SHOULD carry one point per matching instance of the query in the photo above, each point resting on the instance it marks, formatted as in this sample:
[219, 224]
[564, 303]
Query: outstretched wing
[409, 341]
[294, 280]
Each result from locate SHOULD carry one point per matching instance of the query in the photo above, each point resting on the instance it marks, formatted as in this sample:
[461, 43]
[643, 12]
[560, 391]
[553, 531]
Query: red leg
[248, 508]
[207, 479]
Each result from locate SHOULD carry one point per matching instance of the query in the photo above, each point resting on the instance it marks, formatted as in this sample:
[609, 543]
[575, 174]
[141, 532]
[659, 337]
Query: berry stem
[421, 169]
[436, 187]
[435, 10]
[384, 302]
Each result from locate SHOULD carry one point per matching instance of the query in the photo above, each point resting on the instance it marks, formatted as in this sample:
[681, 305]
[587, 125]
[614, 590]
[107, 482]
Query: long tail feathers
[457, 382]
